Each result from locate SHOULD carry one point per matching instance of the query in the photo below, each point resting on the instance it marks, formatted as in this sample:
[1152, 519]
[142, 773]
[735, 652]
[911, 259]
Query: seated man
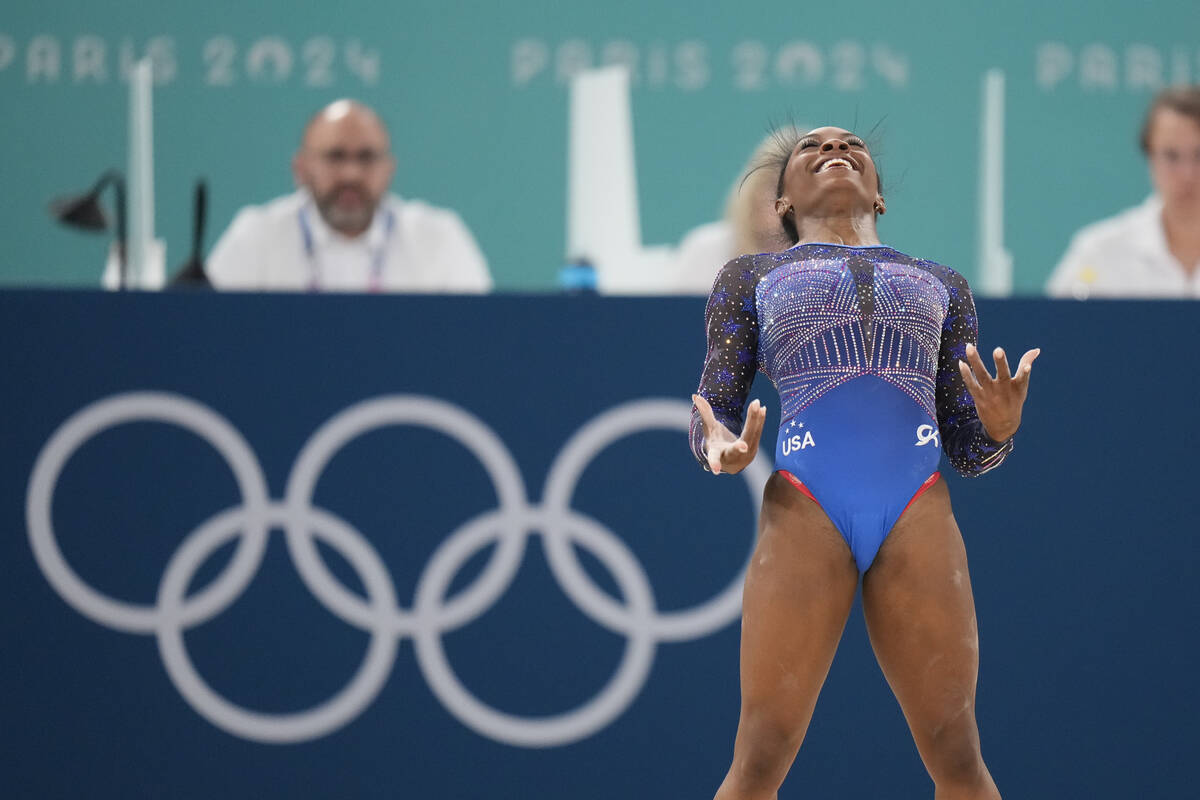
[341, 231]
[1151, 250]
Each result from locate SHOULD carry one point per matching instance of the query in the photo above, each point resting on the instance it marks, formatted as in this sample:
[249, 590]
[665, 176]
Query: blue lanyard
[378, 254]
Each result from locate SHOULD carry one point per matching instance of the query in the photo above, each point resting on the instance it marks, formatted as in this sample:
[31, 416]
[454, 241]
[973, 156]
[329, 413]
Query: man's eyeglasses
[339, 157]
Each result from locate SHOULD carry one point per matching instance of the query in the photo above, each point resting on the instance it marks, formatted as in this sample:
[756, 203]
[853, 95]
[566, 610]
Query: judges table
[434, 547]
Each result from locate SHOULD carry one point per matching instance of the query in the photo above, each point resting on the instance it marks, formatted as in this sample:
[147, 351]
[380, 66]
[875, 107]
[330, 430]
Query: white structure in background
[146, 256]
[603, 221]
[995, 263]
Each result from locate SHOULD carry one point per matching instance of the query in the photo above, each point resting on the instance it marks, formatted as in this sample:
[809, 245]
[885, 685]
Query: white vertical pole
[995, 263]
[602, 205]
[140, 186]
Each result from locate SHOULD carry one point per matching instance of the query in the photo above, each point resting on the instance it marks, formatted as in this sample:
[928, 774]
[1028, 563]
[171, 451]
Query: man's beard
[348, 220]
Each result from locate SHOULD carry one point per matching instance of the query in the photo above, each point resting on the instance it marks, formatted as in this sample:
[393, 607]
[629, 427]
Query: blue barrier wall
[1083, 551]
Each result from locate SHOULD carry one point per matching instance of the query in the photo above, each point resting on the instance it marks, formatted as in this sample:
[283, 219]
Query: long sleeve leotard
[862, 344]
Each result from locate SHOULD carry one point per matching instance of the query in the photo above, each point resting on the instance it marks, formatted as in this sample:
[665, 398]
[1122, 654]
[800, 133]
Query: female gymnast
[873, 353]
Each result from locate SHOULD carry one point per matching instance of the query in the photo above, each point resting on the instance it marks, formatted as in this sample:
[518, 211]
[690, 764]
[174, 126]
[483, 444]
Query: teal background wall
[476, 99]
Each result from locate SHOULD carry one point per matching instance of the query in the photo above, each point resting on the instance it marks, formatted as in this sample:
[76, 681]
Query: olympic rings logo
[430, 616]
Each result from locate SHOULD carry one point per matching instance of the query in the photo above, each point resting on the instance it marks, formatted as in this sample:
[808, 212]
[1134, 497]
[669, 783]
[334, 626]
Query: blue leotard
[863, 345]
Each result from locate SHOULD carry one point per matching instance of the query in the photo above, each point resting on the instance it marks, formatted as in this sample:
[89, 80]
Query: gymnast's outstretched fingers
[725, 451]
[998, 400]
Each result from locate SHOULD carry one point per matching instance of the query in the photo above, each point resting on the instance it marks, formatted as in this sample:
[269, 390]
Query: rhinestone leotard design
[862, 344]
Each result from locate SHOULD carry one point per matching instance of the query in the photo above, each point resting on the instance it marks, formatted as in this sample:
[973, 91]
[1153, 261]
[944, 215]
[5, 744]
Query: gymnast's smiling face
[830, 173]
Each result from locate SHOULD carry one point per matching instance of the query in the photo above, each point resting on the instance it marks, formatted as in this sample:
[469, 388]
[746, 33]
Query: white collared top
[1123, 256]
[410, 247]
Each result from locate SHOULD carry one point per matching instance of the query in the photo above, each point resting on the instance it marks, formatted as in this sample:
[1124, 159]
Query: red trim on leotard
[930, 481]
[794, 481]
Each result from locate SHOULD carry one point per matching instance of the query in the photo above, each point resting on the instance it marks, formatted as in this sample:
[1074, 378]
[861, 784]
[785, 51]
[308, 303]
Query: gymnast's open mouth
[837, 162]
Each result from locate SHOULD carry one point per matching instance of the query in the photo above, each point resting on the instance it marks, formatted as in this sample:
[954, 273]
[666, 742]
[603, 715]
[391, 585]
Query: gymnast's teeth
[836, 162]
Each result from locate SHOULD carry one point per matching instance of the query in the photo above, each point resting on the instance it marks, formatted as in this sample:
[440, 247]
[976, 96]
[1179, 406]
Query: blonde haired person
[749, 224]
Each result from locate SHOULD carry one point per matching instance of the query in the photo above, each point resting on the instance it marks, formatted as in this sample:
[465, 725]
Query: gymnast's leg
[799, 590]
[921, 619]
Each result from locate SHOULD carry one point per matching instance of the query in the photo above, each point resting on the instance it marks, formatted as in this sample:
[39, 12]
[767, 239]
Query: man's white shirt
[1123, 256]
[286, 245]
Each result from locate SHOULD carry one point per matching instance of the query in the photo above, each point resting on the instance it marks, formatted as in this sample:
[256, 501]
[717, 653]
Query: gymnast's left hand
[998, 400]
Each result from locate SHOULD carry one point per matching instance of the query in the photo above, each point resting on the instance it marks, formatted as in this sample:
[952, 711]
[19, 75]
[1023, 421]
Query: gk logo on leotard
[927, 434]
[797, 442]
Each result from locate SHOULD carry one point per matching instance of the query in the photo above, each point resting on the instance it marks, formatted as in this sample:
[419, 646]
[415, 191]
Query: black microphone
[192, 275]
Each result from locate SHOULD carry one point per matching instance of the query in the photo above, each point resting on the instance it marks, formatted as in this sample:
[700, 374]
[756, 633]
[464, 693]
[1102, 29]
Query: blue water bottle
[578, 277]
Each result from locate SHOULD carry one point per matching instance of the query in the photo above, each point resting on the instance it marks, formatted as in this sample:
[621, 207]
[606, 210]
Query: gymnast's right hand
[726, 452]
